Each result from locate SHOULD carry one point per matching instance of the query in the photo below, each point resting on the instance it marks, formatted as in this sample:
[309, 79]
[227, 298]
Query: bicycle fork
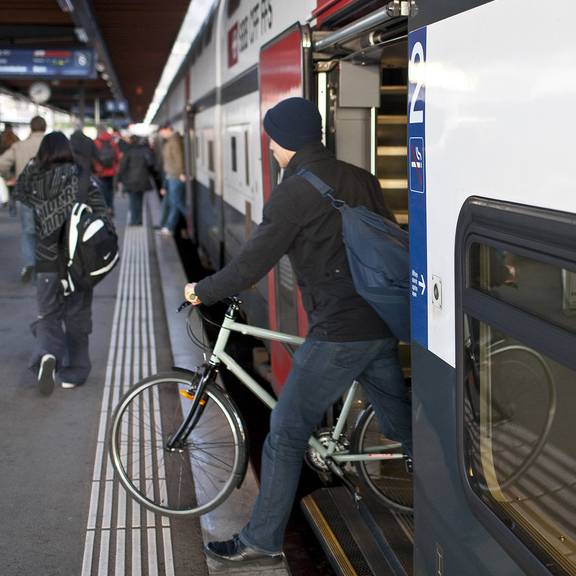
[178, 439]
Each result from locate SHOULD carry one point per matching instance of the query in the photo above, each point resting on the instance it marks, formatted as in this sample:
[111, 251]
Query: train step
[360, 538]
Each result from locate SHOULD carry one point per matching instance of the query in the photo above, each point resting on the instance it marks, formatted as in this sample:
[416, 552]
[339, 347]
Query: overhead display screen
[73, 63]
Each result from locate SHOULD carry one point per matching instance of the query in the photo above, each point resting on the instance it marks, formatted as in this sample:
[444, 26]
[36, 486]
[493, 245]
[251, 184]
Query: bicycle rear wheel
[208, 464]
[388, 480]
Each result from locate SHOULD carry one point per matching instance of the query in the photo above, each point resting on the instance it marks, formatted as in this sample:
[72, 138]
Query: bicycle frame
[328, 452]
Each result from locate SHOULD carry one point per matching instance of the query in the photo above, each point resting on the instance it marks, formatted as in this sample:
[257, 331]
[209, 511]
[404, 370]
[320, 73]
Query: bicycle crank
[315, 460]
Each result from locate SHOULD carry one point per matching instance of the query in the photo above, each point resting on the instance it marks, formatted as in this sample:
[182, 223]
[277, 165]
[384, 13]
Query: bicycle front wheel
[387, 479]
[207, 464]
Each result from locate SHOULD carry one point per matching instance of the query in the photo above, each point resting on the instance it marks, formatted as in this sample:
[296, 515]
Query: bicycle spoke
[197, 475]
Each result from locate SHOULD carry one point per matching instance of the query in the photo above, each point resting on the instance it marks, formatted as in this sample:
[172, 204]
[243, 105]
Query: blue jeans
[28, 237]
[174, 203]
[321, 373]
[107, 189]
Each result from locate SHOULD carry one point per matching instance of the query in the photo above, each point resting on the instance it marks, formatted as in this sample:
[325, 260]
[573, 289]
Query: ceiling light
[81, 35]
[66, 5]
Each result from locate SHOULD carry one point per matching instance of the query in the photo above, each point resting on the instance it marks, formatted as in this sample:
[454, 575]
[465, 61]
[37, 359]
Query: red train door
[284, 66]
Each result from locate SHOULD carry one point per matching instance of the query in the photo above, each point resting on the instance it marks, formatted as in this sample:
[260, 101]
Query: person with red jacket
[106, 164]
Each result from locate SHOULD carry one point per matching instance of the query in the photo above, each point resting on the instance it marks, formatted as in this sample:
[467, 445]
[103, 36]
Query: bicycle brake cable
[197, 341]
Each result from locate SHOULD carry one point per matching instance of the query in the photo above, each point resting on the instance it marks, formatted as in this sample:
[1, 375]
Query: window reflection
[540, 288]
[520, 453]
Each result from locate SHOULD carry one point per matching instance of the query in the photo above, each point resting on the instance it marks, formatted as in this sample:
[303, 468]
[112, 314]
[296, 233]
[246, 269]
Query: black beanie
[293, 123]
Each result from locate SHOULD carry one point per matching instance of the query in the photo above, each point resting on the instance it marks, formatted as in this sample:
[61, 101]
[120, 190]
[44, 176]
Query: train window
[540, 288]
[517, 374]
[211, 155]
[519, 448]
[247, 156]
[197, 140]
[233, 154]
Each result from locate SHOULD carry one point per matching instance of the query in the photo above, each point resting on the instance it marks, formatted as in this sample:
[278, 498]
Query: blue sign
[71, 63]
[417, 168]
[417, 185]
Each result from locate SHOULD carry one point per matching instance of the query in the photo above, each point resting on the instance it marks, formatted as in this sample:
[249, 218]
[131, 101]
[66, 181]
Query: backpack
[91, 247]
[105, 154]
[378, 258]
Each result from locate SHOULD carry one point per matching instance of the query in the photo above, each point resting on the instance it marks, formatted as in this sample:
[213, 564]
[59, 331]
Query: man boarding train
[346, 340]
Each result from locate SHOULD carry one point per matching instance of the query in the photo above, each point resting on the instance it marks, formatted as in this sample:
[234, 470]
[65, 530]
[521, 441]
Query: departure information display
[73, 63]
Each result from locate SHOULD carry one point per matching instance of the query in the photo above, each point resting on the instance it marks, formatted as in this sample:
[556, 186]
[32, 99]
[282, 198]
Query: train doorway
[362, 92]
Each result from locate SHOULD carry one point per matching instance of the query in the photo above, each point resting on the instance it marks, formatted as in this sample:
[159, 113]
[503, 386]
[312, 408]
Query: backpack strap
[319, 184]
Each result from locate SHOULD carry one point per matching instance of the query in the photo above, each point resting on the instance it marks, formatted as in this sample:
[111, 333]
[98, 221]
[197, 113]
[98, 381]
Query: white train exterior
[490, 189]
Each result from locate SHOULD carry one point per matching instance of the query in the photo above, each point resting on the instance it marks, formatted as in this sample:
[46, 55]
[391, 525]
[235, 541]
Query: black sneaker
[46, 374]
[235, 553]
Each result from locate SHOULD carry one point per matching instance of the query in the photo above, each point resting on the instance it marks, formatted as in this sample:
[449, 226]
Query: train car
[492, 223]
[461, 109]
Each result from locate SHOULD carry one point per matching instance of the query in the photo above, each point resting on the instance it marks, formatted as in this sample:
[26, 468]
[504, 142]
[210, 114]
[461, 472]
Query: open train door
[285, 65]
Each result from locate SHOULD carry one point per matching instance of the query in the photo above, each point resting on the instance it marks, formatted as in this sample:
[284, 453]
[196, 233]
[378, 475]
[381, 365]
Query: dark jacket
[136, 167]
[52, 193]
[84, 150]
[299, 222]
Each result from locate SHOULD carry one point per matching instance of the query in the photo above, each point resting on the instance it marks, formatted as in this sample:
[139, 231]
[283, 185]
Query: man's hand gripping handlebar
[190, 294]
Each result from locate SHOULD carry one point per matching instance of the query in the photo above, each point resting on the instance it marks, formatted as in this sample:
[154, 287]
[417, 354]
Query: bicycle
[179, 446]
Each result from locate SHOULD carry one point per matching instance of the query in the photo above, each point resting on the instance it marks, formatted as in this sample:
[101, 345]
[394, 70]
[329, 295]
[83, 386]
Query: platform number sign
[417, 184]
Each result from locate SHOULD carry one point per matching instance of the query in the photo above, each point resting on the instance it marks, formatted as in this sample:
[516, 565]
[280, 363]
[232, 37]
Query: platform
[63, 512]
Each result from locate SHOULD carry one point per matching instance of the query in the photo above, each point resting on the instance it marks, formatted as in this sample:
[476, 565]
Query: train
[462, 110]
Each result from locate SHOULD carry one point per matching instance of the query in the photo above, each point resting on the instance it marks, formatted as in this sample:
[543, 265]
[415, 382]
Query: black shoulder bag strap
[319, 184]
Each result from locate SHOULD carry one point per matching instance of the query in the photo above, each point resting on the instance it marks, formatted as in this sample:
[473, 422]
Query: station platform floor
[62, 511]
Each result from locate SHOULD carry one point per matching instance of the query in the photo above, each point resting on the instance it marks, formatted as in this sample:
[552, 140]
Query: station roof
[132, 38]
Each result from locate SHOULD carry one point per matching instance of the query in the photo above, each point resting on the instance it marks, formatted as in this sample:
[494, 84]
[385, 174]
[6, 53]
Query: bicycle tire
[186, 482]
[546, 384]
[388, 480]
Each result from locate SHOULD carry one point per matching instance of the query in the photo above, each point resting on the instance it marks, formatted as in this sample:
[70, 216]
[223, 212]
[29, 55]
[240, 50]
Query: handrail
[392, 10]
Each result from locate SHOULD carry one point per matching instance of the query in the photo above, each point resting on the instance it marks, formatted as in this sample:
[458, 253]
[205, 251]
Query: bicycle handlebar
[231, 301]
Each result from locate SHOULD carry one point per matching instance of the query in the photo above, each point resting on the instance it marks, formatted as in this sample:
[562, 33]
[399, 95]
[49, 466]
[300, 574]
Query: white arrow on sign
[421, 283]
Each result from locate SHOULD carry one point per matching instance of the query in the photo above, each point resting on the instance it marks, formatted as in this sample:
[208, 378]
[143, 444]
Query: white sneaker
[46, 374]
[165, 231]
[68, 385]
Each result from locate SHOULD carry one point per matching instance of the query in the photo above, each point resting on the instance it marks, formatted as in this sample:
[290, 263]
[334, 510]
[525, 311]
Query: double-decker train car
[462, 110]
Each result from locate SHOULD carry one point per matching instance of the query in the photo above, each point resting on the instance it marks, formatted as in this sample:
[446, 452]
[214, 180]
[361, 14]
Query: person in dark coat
[83, 150]
[49, 185]
[346, 340]
[136, 168]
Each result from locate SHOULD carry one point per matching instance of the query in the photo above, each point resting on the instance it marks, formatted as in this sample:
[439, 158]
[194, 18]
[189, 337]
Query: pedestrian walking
[136, 168]
[106, 164]
[173, 204]
[16, 158]
[84, 150]
[49, 186]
